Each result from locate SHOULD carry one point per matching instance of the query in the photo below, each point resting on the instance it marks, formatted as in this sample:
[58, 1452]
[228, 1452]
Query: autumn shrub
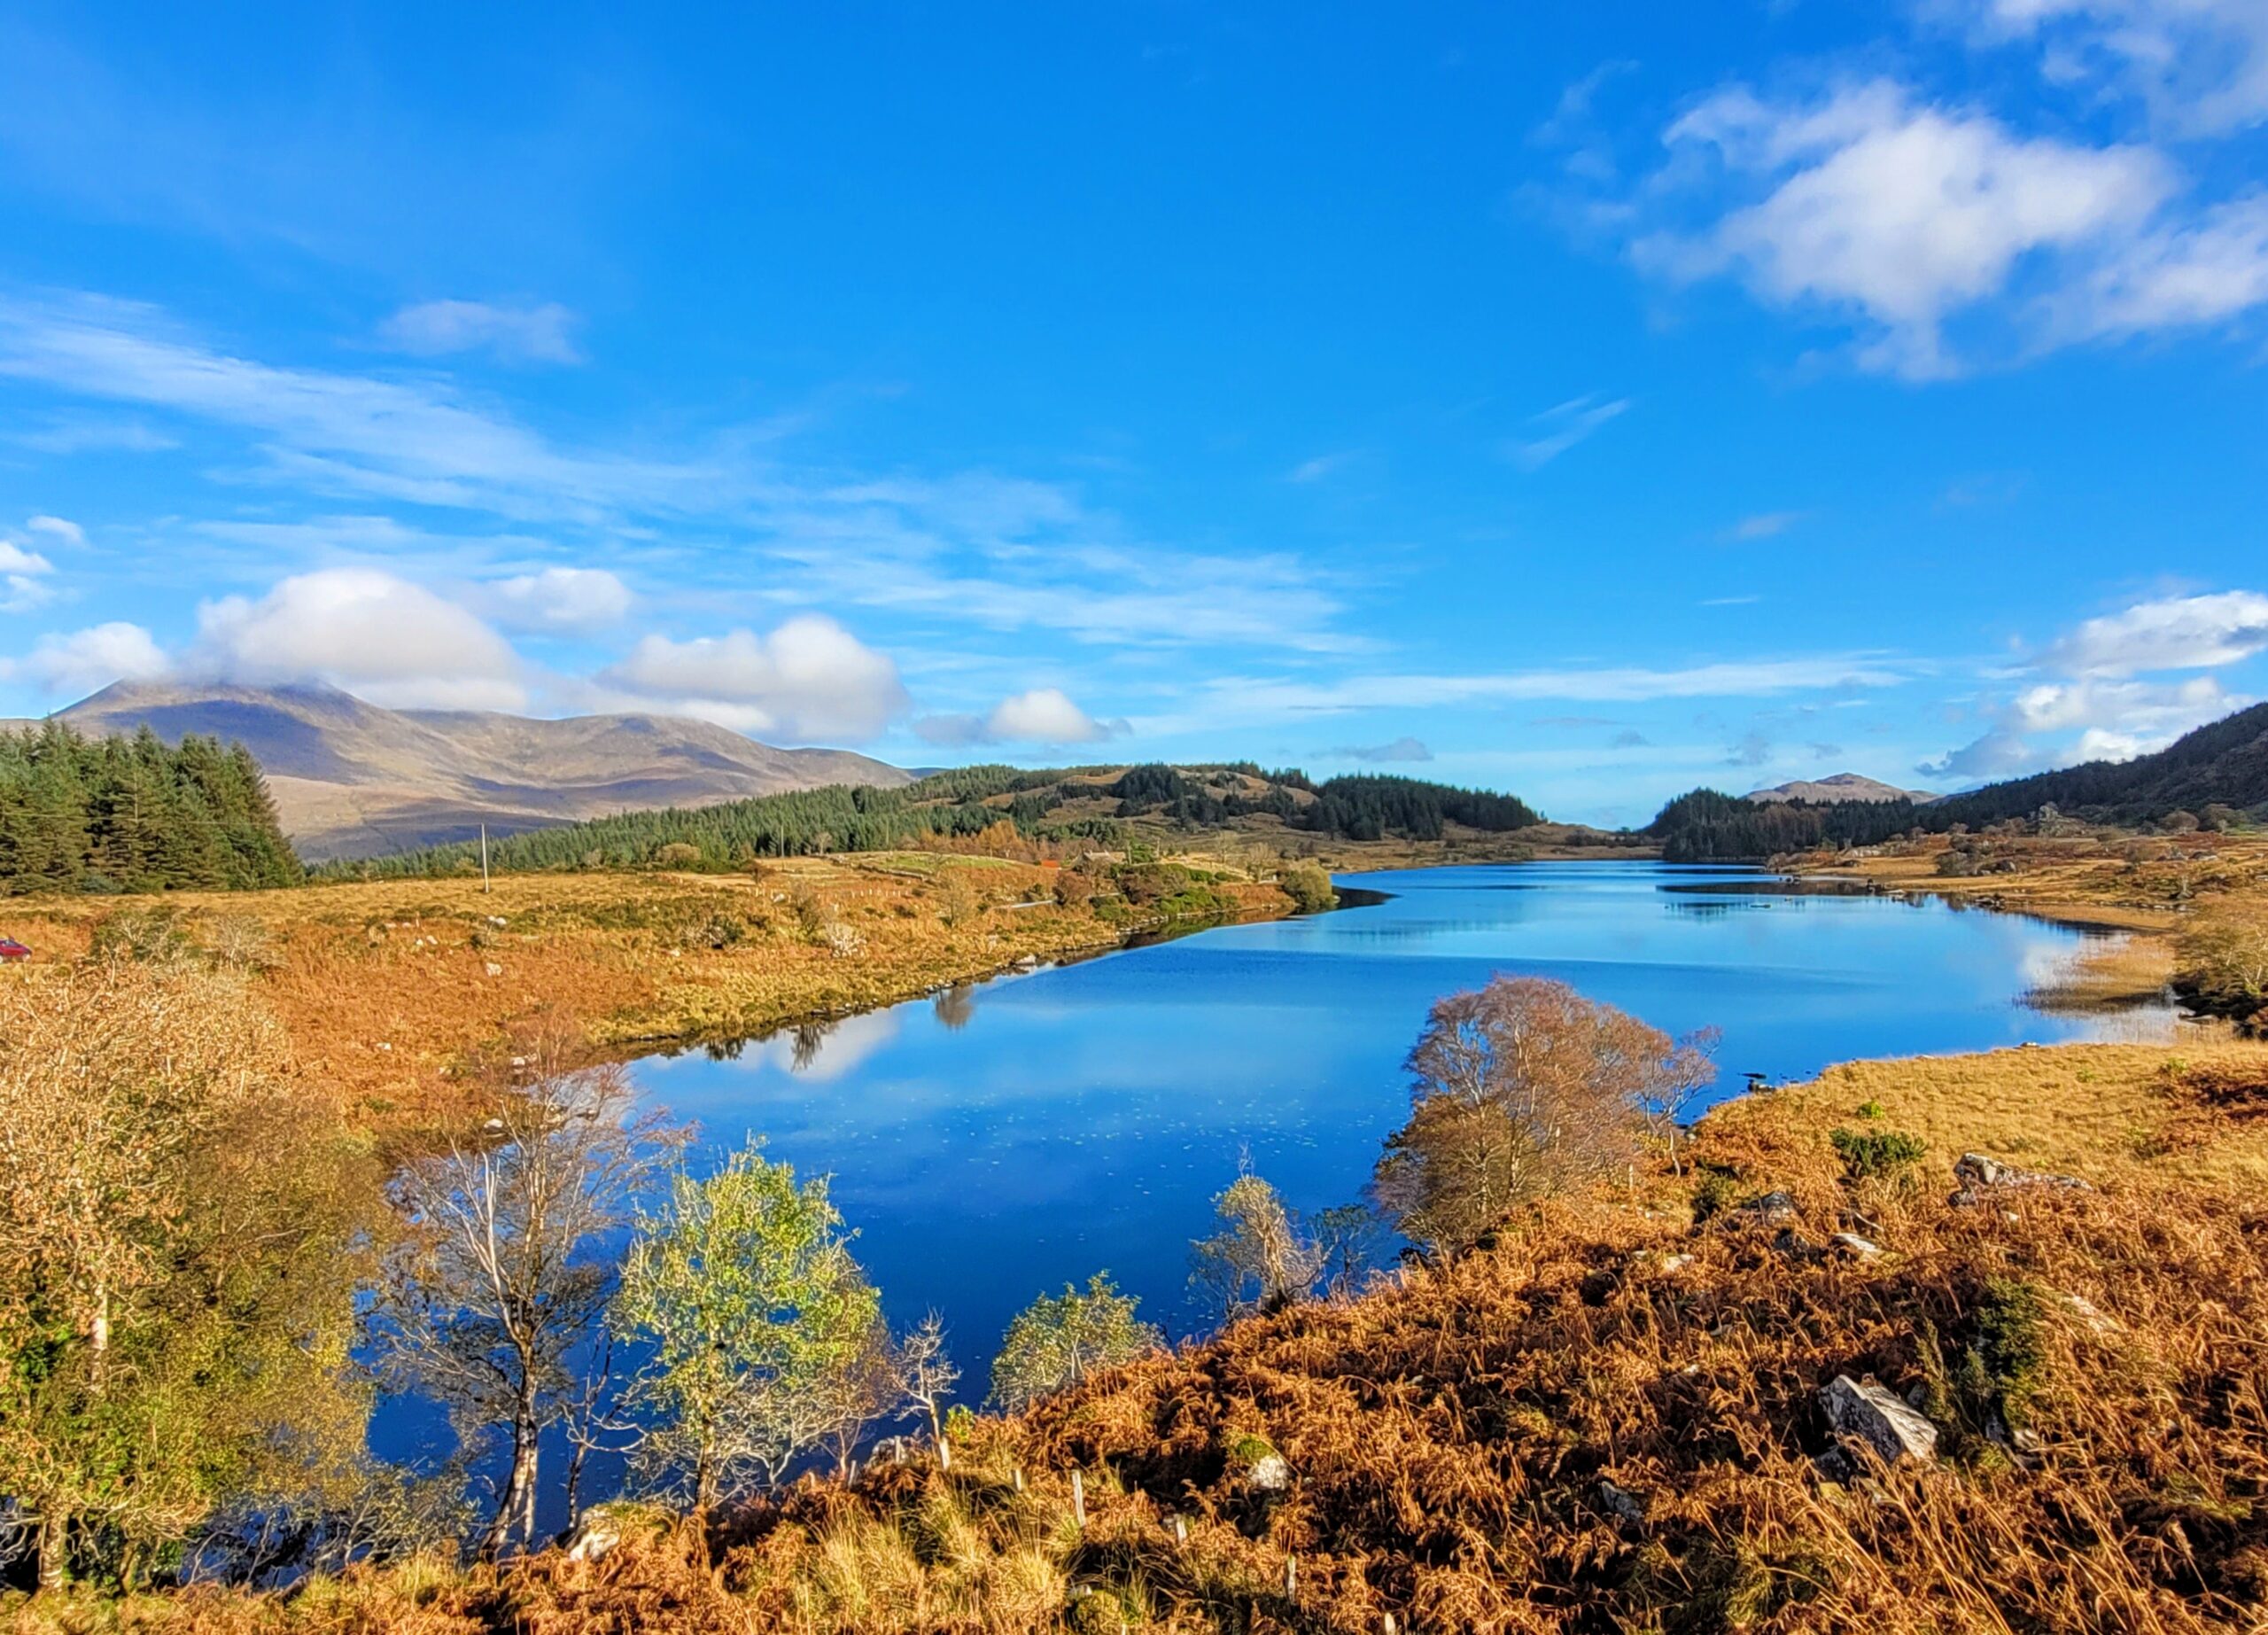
[1876, 1154]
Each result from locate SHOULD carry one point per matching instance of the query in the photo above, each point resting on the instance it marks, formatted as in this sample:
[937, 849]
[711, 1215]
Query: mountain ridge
[1840, 786]
[353, 778]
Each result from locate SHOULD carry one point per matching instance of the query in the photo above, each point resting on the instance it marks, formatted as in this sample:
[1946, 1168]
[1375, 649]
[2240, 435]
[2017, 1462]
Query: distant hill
[1841, 786]
[351, 779]
[2225, 763]
[1002, 810]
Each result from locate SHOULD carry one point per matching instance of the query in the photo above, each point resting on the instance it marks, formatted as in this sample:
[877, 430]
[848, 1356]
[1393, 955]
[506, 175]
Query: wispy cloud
[1763, 525]
[514, 334]
[1559, 428]
[1251, 700]
[1315, 470]
[1402, 749]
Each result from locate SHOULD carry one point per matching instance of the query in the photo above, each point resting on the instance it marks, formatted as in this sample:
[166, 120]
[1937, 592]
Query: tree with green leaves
[178, 1269]
[1059, 1340]
[761, 1325]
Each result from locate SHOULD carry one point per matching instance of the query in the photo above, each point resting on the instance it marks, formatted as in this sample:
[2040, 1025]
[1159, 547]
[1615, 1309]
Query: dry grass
[2113, 1114]
[1608, 1422]
[385, 988]
[2142, 884]
[2108, 974]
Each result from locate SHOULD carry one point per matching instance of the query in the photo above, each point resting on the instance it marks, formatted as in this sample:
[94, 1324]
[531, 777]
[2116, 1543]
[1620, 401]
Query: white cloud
[415, 440]
[2087, 703]
[562, 600]
[1763, 525]
[1318, 467]
[1559, 428]
[2202, 65]
[1904, 214]
[2177, 633]
[809, 679]
[24, 577]
[1240, 701]
[1404, 748]
[379, 637]
[59, 528]
[81, 661]
[2188, 274]
[532, 334]
[1044, 715]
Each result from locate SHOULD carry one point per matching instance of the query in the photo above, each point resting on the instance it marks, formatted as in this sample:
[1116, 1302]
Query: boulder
[1982, 1178]
[1621, 1501]
[1773, 1208]
[1270, 1473]
[1879, 1419]
[606, 1527]
[1798, 1247]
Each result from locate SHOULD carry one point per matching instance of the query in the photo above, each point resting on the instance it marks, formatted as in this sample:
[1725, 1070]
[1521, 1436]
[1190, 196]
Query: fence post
[1291, 1577]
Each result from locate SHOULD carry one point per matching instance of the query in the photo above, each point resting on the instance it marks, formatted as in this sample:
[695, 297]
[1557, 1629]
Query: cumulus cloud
[809, 679]
[1402, 749]
[1043, 715]
[1559, 428]
[2091, 699]
[515, 334]
[1903, 213]
[81, 661]
[379, 637]
[562, 600]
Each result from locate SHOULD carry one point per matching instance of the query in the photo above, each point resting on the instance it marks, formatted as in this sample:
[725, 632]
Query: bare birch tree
[503, 1277]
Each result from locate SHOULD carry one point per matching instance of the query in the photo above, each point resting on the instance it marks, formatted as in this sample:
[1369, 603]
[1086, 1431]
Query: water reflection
[1089, 1121]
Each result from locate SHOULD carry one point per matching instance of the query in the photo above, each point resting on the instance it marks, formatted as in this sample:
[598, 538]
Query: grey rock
[1980, 1173]
[1773, 1208]
[1621, 1501]
[1851, 1243]
[1270, 1473]
[1879, 1419]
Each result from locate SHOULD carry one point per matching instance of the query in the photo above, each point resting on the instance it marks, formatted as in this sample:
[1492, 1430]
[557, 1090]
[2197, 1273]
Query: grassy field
[385, 988]
[1609, 1421]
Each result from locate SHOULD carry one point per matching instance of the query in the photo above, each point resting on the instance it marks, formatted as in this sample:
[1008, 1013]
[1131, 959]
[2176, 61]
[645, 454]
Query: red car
[11, 949]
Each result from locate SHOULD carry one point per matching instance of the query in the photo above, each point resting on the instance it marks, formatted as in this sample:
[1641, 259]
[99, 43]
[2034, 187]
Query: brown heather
[1452, 1441]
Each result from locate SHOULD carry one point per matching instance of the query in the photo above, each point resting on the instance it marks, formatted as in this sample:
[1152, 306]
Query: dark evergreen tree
[131, 814]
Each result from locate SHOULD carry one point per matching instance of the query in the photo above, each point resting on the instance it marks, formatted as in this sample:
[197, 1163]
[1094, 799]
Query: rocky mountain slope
[351, 779]
[1841, 786]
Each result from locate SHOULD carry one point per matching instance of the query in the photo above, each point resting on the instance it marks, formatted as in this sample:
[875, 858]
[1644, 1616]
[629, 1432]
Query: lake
[1005, 1138]
[1002, 1139]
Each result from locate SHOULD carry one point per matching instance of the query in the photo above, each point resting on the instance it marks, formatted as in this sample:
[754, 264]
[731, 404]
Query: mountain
[2225, 763]
[1841, 786]
[351, 779]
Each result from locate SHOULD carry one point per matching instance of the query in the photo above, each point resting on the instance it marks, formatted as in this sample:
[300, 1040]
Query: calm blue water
[1001, 1139]
[1034, 1129]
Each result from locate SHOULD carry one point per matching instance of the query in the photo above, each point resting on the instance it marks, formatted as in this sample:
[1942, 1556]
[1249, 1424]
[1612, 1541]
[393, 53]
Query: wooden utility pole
[484, 859]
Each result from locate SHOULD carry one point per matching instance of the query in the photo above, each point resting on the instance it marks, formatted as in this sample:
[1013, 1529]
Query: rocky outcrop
[1864, 1412]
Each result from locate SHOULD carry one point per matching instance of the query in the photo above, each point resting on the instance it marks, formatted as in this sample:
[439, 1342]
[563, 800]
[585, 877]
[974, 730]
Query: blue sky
[1586, 401]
